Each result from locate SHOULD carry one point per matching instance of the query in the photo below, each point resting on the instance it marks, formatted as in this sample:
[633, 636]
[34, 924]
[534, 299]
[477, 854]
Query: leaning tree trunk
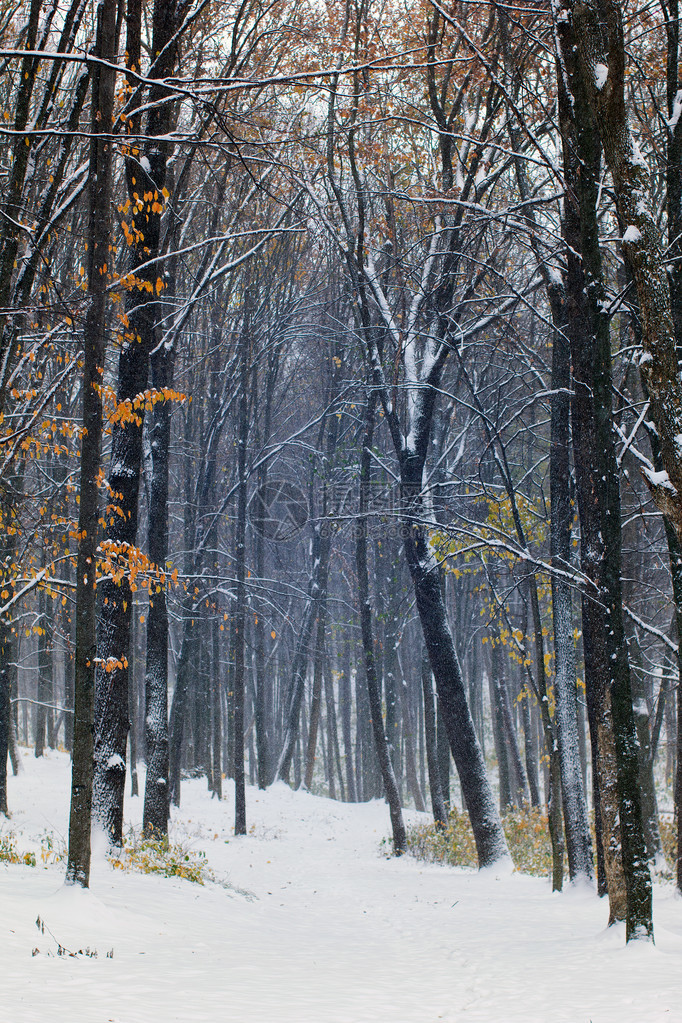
[491, 844]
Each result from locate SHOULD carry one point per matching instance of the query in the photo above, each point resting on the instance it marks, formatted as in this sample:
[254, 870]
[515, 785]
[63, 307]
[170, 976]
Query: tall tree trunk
[157, 783]
[333, 731]
[377, 721]
[440, 812]
[499, 739]
[299, 668]
[5, 708]
[140, 336]
[100, 172]
[491, 844]
[410, 752]
[345, 701]
[576, 821]
[44, 695]
[240, 589]
[316, 703]
[216, 717]
[584, 116]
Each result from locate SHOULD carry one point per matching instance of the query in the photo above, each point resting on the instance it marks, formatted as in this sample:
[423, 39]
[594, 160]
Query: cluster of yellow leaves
[131, 282]
[128, 410]
[112, 663]
[123, 560]
[149, 203]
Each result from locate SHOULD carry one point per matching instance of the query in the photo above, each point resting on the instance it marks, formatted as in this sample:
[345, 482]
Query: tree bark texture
[587, 29]
[82, 768]
[491, 843]
[139, 336]
[576, 820]
[373, 692]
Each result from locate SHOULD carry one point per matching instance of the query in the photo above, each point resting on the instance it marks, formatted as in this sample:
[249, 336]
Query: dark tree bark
[99, 219]
[491, 844]
[5, 708]
[377, 721]
[44, 695]
[216, 716]
[560, 732]
[157, 784]
[345, 702]
[499, 740]
[240, 587]
[582, 36]
[576, 821]
[140, 335]
[440, 811]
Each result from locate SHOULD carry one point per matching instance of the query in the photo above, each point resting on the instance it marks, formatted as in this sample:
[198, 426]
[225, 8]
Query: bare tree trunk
[499, 740]
[440, 812]
[345, 700]
[157, 783]
[104, 78]
[583, 35]
[380, 739]
[576, 821]
[240, 589]
[5, 708]
[216, 717]
[410, 753]
[140, 337]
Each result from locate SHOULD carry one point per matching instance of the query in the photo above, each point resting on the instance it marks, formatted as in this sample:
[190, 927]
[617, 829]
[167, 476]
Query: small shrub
[527, 836]
[525, 828]
[10, 854]
[160, 856]
[669, 838]
[528, 839]
[453, 844]
[52, 850]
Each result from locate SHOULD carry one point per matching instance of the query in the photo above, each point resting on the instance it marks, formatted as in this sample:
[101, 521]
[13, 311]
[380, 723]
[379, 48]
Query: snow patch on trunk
[601, 73]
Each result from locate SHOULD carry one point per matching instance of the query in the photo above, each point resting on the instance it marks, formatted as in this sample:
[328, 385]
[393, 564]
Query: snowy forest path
[330, 930]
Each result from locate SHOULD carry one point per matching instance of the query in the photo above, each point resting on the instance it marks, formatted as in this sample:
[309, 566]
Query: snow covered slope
[321, 928]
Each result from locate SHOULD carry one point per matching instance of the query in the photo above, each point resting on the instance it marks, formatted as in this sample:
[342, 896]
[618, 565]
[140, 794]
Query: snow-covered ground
[318, 928]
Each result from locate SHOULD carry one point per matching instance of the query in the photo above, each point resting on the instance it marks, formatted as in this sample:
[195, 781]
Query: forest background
[340, 411]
